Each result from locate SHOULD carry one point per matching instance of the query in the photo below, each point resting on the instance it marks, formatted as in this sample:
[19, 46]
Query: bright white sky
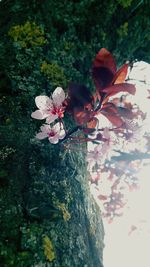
[122, 247]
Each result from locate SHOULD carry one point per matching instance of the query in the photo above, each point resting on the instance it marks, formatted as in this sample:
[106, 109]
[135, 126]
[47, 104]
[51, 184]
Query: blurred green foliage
[123, 30]
[125, 3]
[45, 44]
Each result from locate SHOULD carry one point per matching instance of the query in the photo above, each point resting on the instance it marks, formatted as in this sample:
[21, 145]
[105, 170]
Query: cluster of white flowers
[50, 109]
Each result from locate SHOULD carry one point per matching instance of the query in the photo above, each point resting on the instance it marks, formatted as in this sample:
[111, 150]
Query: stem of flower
[70, 133]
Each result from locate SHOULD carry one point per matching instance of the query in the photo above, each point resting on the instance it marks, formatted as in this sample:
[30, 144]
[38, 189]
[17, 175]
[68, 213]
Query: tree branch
[130, 156]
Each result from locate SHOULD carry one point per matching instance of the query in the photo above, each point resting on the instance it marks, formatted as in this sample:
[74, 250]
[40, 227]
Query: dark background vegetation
[48, 217]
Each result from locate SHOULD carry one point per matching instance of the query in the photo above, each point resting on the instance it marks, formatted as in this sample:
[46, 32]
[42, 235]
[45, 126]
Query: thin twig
[130, 156]
[70, 133]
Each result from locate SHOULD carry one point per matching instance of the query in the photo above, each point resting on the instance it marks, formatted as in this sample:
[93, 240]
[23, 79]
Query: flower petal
[106, 133]
[57, 127]
[58, 96]
[41, 135]
[39, 115]
[51, 117]
[43, 102]
[62, 134]
[54, 139]
[45, 128]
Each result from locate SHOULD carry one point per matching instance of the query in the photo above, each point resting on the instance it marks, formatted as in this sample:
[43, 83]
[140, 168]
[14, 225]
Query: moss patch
[65, 212]
[28, 34]
[54, 73]
[48, 249]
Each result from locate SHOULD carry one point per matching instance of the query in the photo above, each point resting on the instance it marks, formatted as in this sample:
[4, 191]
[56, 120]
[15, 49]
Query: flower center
[58, 111]
[51, 133]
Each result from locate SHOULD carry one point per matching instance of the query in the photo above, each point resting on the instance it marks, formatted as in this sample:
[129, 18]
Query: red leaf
[103, 70]
[105, 59]
[121, 87]
[102, 197]
[91, 126]
[127, 113]
[88, 131]
[102, 77]
[114, 119]
[110, 111]
[99, 137]
[79, 97]
[149, 93]
[110, 107]
[92, 123]
[81, 117]
[121, 74]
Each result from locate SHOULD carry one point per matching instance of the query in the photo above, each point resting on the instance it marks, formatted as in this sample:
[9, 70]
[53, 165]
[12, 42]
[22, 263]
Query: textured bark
[59, 203]
[48, 216]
